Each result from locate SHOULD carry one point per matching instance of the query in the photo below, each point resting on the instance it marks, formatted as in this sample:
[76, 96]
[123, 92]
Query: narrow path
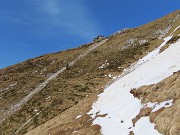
[44, 84]
[17, 131]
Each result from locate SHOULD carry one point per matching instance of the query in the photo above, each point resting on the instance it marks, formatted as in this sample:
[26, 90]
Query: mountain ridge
[89, 75]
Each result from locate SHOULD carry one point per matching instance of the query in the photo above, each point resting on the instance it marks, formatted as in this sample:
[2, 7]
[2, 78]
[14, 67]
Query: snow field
[121, 107]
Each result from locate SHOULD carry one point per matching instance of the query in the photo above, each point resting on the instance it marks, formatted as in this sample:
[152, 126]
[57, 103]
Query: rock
[98, 38]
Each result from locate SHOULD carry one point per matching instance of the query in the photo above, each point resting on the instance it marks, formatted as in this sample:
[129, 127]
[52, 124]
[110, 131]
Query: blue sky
[30, 28]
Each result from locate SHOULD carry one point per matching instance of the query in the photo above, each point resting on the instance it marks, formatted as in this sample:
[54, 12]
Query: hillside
[124, 84]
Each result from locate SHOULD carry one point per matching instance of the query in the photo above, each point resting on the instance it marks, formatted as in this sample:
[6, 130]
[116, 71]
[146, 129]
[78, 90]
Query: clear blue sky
[30, 28]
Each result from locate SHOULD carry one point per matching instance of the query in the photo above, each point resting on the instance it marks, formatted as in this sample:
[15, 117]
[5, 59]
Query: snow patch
[74, 132]
[116, 100]
[79, 116]
[148, 128]
[156, 106]
[104, 65]
[48, 97]
[111, 76]
[154, 53]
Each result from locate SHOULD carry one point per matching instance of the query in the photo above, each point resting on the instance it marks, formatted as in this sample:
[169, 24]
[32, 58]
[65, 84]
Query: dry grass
[67, 122]
[167, 120]
[71, 88]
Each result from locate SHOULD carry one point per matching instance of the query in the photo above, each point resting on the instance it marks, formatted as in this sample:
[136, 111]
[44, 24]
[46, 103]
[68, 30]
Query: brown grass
[72, 87]
[167, 120]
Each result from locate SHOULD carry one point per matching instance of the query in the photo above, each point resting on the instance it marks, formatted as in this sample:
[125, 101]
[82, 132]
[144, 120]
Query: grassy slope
[166, 119]
[76, 83]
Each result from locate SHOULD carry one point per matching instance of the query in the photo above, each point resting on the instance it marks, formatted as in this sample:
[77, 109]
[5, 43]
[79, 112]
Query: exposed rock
[98, 38]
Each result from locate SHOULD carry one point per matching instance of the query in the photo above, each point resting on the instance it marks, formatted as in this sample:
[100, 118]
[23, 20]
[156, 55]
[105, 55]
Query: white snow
[48, 97]
[163, 104]
[104, 65]
[175, 29]
[148, 128]
[74, 132]
[117, 102]
[111, 76]
[154, 53]
[79, 116]
[156, 106]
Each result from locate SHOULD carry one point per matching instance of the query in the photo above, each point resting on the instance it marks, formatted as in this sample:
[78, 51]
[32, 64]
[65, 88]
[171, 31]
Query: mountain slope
[74, 90]
[120, 105]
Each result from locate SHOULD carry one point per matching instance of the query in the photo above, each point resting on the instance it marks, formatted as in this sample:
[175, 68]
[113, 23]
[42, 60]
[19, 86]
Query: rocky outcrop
[98, 38]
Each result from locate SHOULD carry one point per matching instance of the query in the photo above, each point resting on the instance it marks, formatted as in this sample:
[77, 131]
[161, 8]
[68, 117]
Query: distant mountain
[124, 84]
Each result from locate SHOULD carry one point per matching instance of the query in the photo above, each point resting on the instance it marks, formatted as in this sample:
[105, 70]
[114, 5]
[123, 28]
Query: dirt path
[41, 86]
